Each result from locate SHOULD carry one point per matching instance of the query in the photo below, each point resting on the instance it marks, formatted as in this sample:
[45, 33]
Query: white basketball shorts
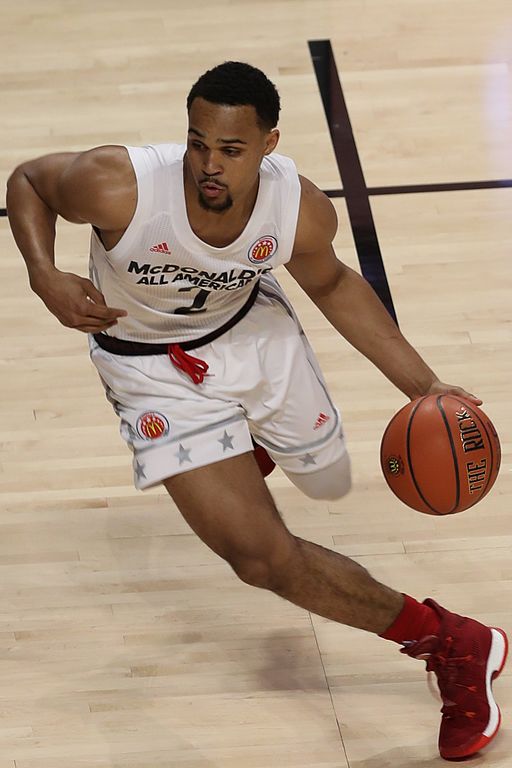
[263, 381]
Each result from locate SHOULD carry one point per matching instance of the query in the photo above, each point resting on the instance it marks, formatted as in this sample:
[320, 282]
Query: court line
[350, 170]
[408, 189]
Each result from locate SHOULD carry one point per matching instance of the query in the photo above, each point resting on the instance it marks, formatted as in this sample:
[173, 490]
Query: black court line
[410, 189]
[455, 186]
[351, 172]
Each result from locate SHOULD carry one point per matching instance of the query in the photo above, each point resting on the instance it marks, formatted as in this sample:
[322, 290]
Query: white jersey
[175, 287]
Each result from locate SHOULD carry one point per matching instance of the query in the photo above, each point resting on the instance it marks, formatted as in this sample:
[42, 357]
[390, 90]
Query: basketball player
[184, 240]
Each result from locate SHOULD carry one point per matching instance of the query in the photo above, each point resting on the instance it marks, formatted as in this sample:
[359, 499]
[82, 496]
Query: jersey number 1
[197, 305]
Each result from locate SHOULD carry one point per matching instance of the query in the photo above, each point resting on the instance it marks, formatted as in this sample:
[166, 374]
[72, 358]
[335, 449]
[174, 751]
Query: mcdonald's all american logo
[263, 249]
[152, 425]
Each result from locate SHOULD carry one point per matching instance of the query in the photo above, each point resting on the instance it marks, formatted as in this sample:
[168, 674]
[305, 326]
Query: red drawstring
[192, 366]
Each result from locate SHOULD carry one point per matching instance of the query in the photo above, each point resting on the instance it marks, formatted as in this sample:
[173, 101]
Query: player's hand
[75, 302]
[440, 388]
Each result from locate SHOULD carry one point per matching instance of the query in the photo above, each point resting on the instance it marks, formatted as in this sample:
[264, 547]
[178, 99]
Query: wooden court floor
[124, 642]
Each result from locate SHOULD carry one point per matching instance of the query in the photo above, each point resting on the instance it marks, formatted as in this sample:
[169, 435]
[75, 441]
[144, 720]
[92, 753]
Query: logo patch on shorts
[152, 425]
[262, 250]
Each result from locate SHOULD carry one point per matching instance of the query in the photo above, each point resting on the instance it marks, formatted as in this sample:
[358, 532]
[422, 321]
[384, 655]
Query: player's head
[233, 111]
[237, 84]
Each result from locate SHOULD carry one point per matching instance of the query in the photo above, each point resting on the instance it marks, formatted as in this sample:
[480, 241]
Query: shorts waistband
[132, 348]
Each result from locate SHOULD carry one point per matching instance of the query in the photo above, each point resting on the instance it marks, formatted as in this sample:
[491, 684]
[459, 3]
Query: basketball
[440, 454]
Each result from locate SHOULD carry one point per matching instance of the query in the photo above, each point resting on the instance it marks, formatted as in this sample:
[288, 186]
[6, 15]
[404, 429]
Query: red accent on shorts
[322, 419]
[192, 366]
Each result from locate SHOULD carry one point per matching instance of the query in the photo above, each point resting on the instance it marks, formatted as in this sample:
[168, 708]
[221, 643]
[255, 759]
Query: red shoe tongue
[421, 649]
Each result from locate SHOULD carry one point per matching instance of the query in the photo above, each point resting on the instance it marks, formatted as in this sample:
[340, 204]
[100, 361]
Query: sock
[414, 622]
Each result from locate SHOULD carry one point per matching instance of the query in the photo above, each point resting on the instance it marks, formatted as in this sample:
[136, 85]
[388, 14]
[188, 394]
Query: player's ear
[271, 141]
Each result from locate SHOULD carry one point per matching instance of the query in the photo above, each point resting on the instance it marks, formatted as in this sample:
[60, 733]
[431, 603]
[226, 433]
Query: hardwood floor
[124, 642]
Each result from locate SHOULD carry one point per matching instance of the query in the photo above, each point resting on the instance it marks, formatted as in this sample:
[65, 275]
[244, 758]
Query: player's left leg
[330, 483]
[290, 412]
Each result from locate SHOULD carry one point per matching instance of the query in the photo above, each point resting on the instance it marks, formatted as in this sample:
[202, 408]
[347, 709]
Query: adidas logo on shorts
[322, 419]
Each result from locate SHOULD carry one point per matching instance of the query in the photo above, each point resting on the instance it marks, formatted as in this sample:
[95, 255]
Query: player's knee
[253, 571]
[266, 570]
[333, 489]
[329, 484]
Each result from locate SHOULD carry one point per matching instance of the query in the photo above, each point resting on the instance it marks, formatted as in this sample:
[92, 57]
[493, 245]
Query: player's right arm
[97, 187]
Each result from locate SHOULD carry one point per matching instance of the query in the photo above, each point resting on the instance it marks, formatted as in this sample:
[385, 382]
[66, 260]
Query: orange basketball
[440, 454]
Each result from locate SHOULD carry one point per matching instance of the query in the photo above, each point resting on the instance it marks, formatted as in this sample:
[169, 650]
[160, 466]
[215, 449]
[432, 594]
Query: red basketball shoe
[466, 656]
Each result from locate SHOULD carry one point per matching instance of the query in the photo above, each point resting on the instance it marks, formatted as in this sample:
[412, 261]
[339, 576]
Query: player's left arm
[349, 302]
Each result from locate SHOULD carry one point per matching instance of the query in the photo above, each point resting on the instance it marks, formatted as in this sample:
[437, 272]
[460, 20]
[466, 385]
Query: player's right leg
[225, 500]
[231, 509]
[197, 441]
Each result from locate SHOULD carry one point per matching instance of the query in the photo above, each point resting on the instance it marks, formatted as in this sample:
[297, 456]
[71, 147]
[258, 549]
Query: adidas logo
[161, 248]
[322, 418]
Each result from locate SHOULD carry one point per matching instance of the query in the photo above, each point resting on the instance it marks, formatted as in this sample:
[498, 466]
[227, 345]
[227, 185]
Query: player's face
[225, 147]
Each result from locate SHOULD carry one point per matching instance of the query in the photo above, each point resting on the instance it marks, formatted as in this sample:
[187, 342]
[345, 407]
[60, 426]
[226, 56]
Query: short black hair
[236, 83]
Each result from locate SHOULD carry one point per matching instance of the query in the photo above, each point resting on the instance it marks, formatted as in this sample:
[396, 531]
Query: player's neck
[218, 228]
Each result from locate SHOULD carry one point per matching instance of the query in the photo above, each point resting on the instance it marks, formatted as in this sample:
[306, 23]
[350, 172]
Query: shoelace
[446, 668]
[194, 367]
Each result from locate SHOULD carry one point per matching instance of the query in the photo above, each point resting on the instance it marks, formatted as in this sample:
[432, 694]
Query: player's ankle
[415, 621]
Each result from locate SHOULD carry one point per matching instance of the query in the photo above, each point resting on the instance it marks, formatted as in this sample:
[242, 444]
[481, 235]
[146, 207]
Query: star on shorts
[139, 470]
[226, 441]
[132, 433]
[183, 454]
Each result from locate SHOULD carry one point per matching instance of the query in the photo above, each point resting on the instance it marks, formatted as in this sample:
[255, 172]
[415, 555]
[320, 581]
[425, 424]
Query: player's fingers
[94, 327]
[87, 321]
[474, 399]
[466, 395]
[440, 388]
[93, 293]
[97, 300]
[102, 312]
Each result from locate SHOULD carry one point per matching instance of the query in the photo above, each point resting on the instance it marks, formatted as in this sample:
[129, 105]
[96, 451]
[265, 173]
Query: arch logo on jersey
[263, 249]
[152, 425]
